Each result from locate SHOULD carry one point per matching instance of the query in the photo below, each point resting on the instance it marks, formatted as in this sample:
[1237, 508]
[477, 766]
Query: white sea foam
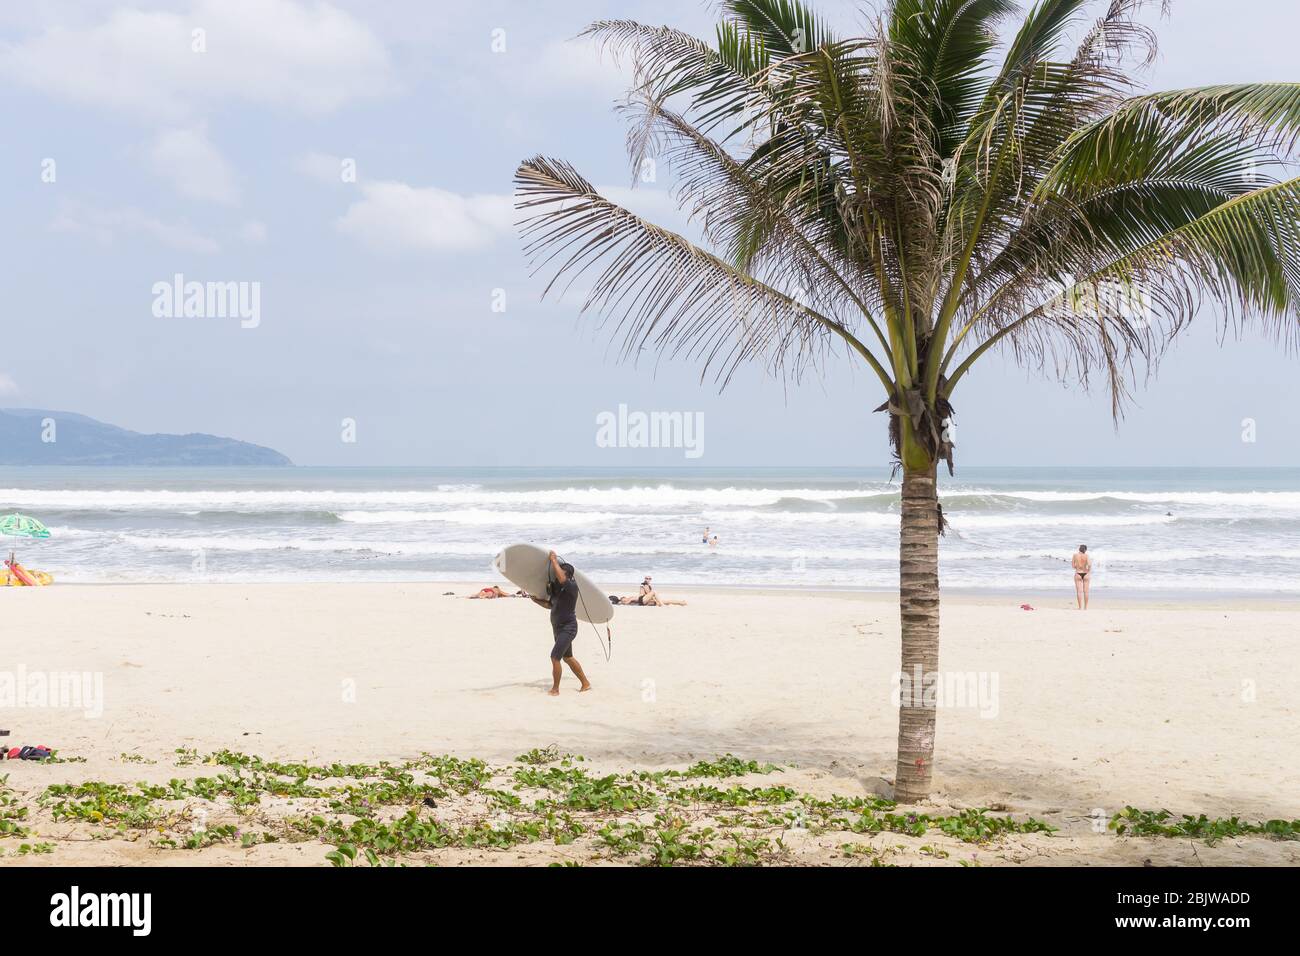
[632, 497]
[482, 517]
[816, 532]
[1256, 499]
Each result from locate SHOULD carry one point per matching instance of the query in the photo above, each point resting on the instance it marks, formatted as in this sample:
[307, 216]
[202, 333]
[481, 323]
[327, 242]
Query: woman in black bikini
[1082, 565]
[648, 597]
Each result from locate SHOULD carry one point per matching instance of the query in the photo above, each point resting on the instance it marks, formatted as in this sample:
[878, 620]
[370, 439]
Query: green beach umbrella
[22, 526]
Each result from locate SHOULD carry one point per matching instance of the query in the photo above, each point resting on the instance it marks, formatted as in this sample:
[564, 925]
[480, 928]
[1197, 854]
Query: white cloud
[253, 232]
[192, 164]
[106, 226]
[7, 385]
[309, 57]
[579, 65]
[396, 216]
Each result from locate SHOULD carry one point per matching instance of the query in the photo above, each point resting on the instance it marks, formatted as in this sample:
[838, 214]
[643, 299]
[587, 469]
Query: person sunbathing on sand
[649, 597]
[492, 591]
[651, 600]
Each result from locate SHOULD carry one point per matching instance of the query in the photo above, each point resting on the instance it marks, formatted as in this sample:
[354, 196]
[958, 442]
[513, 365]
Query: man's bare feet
[553, 692]
[584, 688]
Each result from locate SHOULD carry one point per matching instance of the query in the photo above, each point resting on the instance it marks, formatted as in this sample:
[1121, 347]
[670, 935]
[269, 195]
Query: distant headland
[34, 436]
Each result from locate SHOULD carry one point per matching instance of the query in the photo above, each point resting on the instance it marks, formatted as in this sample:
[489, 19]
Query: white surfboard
[525, 565]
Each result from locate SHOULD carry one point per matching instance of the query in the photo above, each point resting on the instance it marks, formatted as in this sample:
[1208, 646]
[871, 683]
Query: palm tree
[917, 196]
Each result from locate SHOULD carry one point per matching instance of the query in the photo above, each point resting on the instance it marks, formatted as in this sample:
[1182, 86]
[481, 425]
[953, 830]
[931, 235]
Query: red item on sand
[21, 573]
[29, 753]
[1026, 607]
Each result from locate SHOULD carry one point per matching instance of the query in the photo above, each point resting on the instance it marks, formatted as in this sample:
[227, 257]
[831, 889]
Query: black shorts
[564, 636]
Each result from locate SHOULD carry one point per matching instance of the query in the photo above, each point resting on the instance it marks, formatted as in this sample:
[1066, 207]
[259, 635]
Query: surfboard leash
[607, 648]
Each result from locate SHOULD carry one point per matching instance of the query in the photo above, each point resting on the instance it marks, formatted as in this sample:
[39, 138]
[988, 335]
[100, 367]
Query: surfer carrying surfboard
[562, 600]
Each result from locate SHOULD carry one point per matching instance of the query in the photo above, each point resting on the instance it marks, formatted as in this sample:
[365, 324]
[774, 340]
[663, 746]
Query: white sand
[1189, 707]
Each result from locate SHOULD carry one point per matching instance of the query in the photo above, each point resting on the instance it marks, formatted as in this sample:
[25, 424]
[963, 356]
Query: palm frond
[786, 27]
[664, 292]
[1244, 254]
[947, 44]
[1264, 115]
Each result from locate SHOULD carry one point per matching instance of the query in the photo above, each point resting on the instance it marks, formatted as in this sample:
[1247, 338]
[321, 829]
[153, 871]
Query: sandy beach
[1189, 707]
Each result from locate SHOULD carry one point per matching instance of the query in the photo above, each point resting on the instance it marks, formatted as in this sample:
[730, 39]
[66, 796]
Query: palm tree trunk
[918, 605]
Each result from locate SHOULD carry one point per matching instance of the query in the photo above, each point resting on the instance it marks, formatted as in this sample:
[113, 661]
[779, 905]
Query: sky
[353, 163]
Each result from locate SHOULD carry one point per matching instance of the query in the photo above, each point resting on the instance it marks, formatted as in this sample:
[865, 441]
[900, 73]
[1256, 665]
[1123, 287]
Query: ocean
[1167, 530]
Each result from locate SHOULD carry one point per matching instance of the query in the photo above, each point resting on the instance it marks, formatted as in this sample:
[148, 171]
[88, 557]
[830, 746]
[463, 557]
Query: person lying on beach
[649, 597]
[492, 591]
[651, 600]
[1082, 565]
[562, 601]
